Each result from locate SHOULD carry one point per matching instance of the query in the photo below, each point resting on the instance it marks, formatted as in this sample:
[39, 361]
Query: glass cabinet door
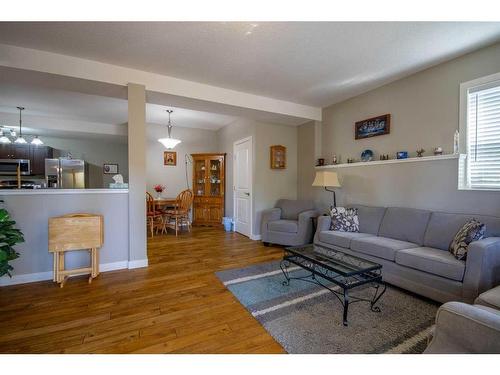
[215, 177]
[200, 177]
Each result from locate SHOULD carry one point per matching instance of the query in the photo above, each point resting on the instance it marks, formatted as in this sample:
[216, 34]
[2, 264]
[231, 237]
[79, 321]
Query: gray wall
[95, 152]
[269, 184]
[31, 213]
[424, 109]
[174, 178]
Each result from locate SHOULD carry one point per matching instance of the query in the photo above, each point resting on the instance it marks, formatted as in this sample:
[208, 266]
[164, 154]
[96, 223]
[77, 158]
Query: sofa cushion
[432, 260]
[289, 226]
[344, 219]
[290, 209]
[381, 247]
[370, 218]
[405, 224]
[443, 227]
[490, 298]
[342, 239]
[473, 230]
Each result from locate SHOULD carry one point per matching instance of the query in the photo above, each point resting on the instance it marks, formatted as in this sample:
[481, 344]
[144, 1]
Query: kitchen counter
[5, 192]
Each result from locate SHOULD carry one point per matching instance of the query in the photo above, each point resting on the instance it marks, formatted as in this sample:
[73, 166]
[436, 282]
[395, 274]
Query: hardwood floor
[176, 305]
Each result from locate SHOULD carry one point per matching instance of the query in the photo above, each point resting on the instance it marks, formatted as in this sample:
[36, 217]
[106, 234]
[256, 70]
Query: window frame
[463, 146]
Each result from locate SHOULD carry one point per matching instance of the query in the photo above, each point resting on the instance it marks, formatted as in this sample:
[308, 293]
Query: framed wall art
[110, 168]
[372, 127]
[278, 157]
[170, 158]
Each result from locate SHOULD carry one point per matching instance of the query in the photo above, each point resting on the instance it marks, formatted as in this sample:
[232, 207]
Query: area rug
[306, 318]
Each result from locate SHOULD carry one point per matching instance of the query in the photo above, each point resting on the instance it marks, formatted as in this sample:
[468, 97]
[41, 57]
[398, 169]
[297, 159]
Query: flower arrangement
[159, 188]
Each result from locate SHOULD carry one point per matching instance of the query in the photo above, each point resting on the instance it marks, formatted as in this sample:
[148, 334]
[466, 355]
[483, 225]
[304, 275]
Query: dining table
[165, 202]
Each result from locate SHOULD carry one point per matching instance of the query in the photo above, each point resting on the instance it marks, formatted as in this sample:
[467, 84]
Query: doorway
[242, 186]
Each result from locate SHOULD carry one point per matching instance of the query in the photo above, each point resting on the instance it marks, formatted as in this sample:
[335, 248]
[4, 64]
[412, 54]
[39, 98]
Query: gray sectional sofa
[412, 246]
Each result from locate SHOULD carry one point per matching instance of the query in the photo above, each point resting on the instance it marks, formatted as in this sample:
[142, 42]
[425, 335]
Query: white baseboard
[255, 237]
[43, 276]
[137, 263]
[25, 278]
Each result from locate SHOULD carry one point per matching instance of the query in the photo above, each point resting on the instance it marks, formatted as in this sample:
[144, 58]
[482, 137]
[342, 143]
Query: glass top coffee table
[345, 271]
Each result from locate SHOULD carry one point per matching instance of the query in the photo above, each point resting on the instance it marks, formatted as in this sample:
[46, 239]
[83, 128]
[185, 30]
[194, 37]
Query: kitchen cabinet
[15, 151]
[35, 154]
[38, 154]
[208, 188]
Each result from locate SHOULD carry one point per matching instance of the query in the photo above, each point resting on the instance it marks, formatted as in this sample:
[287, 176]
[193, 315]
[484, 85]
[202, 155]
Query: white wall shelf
[391, 161]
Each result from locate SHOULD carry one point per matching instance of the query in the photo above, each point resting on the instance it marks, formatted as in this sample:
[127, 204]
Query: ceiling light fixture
[20, 139]
[35, 141]
[169, 142]
[3, 139]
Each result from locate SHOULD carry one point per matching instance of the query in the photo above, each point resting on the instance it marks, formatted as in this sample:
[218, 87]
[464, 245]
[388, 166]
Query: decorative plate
[367, 155]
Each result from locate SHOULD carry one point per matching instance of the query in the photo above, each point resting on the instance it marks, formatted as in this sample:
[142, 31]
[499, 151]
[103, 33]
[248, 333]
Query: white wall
[424, 109]
[174, 178]
[269, 184]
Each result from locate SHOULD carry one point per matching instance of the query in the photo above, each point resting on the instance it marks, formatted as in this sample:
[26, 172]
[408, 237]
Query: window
[481, 167]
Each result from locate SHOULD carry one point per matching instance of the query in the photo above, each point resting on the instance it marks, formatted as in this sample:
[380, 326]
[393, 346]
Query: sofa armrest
[268, 215]
[482, 267]
[324, 223]
[305, 225]
[464, 328]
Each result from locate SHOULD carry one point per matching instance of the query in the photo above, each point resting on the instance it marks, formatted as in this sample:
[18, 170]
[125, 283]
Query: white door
[242, 186]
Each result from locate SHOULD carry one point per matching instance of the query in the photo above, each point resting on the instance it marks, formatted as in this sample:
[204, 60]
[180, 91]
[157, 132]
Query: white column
[138, 256]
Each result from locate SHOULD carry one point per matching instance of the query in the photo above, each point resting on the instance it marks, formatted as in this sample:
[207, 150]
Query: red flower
[159, 188]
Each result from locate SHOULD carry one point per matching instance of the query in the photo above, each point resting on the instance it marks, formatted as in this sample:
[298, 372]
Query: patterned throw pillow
[344, 219]
[473, 230]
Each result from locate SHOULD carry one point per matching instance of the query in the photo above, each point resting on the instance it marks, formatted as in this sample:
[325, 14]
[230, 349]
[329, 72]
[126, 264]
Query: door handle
[247, 194]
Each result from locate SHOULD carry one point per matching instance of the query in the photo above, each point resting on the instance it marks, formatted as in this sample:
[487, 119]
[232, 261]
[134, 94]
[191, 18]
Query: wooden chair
[154, 216]
[180, 214]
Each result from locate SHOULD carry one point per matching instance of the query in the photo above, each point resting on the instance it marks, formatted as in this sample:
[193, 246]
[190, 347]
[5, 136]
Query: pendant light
[3, 138]
[169, 142]
[20, 139]
[36, 141]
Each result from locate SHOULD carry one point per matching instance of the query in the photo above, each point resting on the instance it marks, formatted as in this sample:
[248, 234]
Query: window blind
[483, 138]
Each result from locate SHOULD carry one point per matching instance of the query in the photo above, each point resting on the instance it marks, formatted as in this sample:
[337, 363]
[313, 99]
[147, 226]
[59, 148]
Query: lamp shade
[326, 179]
[169, 143]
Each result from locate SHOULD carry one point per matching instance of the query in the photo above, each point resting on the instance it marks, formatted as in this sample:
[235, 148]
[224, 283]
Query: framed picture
[372, 127]
[110, 168]
[278, 157]
[170, 158]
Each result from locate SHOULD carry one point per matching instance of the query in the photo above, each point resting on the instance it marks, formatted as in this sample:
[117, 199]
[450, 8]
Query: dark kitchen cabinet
[20, 151]
[15, 151]
[5, 151]
[35, 154]
[38, 154]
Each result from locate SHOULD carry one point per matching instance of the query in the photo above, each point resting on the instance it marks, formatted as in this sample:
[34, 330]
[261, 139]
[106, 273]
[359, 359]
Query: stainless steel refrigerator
[65, 173]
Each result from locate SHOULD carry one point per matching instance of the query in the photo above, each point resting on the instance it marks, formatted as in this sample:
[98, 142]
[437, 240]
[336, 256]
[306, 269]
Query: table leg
[346, 306]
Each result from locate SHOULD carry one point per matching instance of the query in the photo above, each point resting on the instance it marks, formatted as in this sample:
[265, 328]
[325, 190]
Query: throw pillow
[473, 230]
[344, 219]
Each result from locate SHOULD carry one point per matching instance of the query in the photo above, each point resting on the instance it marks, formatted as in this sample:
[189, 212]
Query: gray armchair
[289, 223]
[464, 328]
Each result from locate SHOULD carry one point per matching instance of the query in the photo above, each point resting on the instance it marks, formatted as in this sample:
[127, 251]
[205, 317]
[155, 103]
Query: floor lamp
[327, 179]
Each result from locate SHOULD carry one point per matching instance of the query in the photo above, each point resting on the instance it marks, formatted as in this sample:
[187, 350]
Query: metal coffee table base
[343, 295]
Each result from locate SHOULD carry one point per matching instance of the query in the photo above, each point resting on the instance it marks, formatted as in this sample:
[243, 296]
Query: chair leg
[176, 226]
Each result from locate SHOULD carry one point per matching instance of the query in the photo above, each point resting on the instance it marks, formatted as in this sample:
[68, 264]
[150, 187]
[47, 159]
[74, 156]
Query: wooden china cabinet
[208, 187]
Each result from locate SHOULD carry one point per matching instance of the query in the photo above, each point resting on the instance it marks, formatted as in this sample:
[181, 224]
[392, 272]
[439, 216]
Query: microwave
[9, 166]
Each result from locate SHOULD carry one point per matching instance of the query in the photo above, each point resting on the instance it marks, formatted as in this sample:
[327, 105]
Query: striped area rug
[305, 318]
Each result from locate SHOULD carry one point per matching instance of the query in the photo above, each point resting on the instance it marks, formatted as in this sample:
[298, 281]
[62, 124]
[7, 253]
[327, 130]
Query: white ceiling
[313, 63]
[72, 106]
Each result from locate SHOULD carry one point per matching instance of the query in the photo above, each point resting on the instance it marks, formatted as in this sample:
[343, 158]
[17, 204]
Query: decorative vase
[158, 195]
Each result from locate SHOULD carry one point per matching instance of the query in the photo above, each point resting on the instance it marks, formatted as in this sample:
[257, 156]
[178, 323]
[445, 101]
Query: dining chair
[180, 213]
[154, 216]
